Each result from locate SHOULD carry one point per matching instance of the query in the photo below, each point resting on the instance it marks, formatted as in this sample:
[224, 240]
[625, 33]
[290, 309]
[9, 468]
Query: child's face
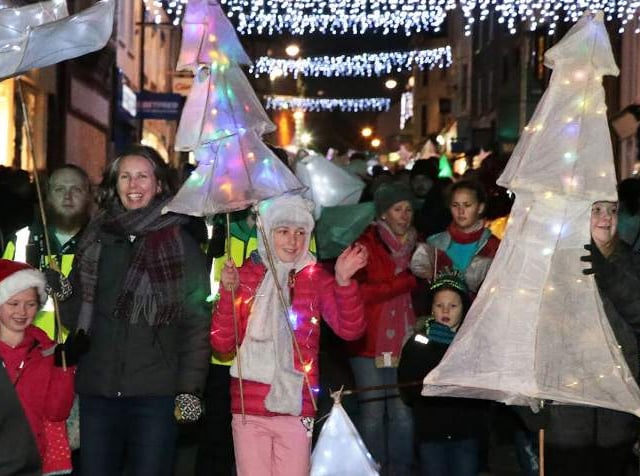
[604, 221]
[289, 242]
[18, 312]
[447, 308]
[466, 210]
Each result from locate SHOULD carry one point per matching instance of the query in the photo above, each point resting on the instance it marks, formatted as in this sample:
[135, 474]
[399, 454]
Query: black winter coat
[137, 359]
[437, 418]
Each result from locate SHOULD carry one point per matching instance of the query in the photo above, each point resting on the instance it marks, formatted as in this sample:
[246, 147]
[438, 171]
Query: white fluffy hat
[15, 277]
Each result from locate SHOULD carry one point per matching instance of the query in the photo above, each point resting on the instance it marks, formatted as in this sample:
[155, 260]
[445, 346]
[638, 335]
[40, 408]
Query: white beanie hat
[285, 210]
[16, 277]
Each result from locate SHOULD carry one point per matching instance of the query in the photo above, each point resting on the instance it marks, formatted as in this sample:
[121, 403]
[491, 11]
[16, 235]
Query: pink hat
[15, 277]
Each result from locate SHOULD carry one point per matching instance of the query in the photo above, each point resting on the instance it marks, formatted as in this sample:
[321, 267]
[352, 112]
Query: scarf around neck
[152, 287]
[266, 353]
[464, 237]
[439, 333]
[397, 317]
[400, 249]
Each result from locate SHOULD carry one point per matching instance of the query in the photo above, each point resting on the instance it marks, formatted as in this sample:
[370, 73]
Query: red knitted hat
[15, 277]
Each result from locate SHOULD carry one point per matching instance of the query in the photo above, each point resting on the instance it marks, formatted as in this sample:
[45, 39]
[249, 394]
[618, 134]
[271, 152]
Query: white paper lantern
[42, 34]
[340, 450]
[537, 329]
[328, 185]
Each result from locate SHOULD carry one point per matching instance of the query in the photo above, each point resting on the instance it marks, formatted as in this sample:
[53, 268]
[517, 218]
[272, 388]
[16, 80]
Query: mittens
[57, 284]
[188, 408]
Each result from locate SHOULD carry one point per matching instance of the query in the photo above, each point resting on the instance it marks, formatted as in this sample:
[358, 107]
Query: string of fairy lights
[392, 16]
[361, 65]
[411, 16]
[309, 104]
[336, 17]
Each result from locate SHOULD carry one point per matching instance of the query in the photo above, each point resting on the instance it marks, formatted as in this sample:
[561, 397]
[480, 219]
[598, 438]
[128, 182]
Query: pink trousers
[271, 446]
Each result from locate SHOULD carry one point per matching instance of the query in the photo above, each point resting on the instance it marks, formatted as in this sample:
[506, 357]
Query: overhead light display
[361, 65]
[327, 104]
[337, 16]
[411, 16]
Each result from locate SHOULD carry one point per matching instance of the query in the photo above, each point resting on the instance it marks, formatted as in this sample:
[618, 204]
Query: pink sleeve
[343, 309]
[223, 338]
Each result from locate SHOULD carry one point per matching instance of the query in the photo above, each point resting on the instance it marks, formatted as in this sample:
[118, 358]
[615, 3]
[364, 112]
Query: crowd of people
[111, 336]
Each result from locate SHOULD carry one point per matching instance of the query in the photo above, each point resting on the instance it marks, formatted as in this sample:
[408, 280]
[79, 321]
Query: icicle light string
[393, 16]
[327, 104]
[362, 65]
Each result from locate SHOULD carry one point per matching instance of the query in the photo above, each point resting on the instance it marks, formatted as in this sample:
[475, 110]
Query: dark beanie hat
[428, 167]
[388, 194]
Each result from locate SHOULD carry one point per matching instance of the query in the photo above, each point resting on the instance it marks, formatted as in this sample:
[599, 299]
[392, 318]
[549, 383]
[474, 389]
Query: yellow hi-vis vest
[240, 251]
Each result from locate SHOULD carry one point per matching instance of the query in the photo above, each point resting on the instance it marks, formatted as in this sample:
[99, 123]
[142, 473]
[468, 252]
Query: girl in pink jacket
[274, 437]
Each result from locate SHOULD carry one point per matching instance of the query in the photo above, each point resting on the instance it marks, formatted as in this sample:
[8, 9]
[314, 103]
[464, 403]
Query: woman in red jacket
[44, 390]
[274, 434]
[386, 288]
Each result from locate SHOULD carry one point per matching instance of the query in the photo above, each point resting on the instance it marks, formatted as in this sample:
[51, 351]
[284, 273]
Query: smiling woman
[137, 184]
[146, 313]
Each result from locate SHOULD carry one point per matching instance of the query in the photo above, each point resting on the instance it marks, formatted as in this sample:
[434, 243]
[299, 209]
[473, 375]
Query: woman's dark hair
[629, 195]
[471, 185]
[108, 193]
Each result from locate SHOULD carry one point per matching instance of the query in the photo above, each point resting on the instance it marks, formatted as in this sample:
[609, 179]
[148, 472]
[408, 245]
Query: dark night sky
[338, 129]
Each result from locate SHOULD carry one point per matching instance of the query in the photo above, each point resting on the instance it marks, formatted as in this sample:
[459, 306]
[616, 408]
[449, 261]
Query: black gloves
[74, 347]
[57, 284]
[594, 257]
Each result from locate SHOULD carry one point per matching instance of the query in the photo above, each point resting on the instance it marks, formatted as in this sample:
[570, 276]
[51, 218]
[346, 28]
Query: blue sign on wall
[167, 106]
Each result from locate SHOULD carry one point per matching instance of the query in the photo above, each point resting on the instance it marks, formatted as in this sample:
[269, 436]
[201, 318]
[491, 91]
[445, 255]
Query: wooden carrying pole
[235, 323]
[43, 216]
[283, 302]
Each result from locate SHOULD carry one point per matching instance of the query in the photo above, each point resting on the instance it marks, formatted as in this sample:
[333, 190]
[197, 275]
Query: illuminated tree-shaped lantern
[222, 122]
[221, 103]
[208, 37]
[537, 329]
[232, 174]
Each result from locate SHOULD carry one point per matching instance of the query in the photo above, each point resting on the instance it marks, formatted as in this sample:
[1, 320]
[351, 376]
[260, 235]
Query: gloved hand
[188, 408]
[75, 346]
[57, 284]
[595, 258]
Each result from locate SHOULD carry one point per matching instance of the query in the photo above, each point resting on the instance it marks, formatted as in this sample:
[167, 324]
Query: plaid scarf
[153, 282]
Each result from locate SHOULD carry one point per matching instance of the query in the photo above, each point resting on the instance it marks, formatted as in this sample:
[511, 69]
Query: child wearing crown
[447, 429]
